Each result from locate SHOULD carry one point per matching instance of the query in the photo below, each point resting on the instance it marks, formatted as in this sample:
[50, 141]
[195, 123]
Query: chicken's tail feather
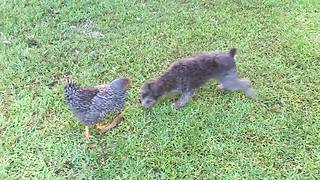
[70, 87]
[69, 81]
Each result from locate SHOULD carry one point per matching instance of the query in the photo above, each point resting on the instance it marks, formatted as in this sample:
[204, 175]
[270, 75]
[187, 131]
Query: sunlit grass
[222, 135]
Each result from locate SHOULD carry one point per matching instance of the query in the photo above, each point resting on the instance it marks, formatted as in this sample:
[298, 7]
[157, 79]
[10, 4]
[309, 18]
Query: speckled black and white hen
[92, 104]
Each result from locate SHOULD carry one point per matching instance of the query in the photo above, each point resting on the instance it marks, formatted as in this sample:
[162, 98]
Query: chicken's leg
[114, 123]
[86, 132]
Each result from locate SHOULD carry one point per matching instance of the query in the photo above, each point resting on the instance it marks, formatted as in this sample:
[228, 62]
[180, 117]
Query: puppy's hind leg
[184, 98]
[246, 87]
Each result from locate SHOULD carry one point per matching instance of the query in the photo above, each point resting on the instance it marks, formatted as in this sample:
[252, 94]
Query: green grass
[217, 135]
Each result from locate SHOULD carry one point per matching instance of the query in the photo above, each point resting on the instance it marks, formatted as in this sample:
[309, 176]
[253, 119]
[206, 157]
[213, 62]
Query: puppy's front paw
[249, 92]
[220, 87]
[176, 105]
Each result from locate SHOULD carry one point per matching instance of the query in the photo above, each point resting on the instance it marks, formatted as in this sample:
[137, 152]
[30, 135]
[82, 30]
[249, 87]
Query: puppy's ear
[153, 85]
[232, 52]
[149, 84]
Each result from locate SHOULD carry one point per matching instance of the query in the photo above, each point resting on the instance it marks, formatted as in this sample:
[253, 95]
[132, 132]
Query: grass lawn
[217, 135]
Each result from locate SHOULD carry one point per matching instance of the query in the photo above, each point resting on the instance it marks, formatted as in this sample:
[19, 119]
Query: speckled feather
[92, 104]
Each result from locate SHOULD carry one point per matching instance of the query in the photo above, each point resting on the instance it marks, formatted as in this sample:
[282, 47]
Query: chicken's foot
[114, 123]
[100, 126]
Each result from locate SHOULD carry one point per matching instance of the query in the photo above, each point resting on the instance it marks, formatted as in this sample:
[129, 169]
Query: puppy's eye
[156, 96]
[149, 101]
[144, 95]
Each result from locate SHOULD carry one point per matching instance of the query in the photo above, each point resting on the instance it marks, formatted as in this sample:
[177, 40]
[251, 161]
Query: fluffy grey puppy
[188, 74]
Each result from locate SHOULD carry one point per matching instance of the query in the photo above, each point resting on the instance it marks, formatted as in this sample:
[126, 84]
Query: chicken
[92, 104]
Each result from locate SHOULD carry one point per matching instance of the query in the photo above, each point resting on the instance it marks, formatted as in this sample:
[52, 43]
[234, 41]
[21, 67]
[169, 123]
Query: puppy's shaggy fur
[188, 74]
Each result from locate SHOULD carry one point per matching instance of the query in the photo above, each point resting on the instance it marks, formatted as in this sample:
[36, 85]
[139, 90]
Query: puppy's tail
[232, 52]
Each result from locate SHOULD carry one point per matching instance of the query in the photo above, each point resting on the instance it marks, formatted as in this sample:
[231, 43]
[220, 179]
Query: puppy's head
[149, 93]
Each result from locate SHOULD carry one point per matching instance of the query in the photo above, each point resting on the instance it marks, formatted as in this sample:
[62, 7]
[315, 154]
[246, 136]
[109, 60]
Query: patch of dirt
[86, 28]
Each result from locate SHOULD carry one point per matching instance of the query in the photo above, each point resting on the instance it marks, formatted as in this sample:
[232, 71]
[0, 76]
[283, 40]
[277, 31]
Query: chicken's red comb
[127, 82]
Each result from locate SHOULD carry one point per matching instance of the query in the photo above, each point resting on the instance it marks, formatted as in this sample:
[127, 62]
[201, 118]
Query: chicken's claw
[113, 124]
